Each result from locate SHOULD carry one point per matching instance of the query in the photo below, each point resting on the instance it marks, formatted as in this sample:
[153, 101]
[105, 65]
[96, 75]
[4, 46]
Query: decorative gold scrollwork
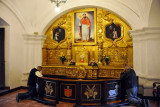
[120, 50]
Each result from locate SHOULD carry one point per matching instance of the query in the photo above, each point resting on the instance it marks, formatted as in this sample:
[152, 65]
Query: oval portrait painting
[113, 31]
[59, 34]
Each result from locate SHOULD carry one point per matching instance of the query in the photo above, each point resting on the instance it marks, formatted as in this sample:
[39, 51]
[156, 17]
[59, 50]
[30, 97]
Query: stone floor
[9, 100]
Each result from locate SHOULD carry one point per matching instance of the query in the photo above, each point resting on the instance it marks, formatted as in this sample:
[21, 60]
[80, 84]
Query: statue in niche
[113, 31]
[59, 34]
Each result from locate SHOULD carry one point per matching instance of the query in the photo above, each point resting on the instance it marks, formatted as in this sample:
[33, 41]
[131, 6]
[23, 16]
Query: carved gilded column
[100, 51]
[69, 52]
[100, 34]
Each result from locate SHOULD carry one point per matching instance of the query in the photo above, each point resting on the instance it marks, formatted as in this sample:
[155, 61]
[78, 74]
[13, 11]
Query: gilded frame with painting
[113, 31]
[84, 29]
[58, 34]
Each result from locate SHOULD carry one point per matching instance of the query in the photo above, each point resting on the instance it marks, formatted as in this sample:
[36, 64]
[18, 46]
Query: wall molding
[34, 37]
[146, 33]
[150, 77]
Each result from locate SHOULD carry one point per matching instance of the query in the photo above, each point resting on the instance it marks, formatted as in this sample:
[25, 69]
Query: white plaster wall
[153, 58]
[146, 51]
[14, 48]
[154, 14]
[33, 45]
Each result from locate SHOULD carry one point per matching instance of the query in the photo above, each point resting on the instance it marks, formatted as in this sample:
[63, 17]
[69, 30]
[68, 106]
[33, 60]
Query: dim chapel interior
[119, 33]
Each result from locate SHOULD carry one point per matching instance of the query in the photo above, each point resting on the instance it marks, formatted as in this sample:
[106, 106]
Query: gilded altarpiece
[119, 48]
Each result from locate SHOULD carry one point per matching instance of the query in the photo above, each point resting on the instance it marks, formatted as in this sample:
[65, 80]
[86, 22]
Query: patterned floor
[9, 100]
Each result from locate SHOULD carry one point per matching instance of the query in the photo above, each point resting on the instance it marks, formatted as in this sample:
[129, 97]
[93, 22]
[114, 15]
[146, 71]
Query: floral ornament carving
[91, 92]
[48, 88]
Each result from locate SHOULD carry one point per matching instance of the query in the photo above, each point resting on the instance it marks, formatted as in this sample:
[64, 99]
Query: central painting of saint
[84, 27]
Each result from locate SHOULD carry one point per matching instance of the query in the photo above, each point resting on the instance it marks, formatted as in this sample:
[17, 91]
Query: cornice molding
[150, 77]
[34, 37]
[147, 81]
[145, 33]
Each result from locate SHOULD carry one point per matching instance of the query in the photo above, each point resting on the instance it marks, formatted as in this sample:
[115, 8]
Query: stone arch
[122, 11]
[11, 7]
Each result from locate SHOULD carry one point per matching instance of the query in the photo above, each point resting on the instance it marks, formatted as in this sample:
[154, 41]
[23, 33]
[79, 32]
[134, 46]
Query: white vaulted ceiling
[38, 15]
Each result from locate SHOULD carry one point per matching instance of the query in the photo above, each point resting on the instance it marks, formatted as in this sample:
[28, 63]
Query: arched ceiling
[38, 15]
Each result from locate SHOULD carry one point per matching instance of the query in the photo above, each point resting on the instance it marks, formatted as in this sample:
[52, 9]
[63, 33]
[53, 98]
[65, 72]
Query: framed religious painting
[84, 30]
[58, 34]
[113, 31]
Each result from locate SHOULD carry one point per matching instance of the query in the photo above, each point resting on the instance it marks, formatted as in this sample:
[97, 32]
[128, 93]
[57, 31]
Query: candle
[93, 53]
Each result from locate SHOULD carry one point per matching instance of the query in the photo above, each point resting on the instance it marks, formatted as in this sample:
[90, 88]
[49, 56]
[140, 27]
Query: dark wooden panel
[80, 91]
[91, 92]
[2, 64]
[112, 91]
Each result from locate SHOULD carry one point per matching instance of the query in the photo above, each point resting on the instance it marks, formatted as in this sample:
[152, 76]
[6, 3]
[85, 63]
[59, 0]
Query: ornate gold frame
[73, 27]
[118, 39]
[53, 29]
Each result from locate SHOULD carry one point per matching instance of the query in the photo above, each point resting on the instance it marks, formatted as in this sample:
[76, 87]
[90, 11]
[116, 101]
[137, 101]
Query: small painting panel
[113, 31]
[112, 90]
[58, 34]
[50, 88]
[91, 92]
[68, 91]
